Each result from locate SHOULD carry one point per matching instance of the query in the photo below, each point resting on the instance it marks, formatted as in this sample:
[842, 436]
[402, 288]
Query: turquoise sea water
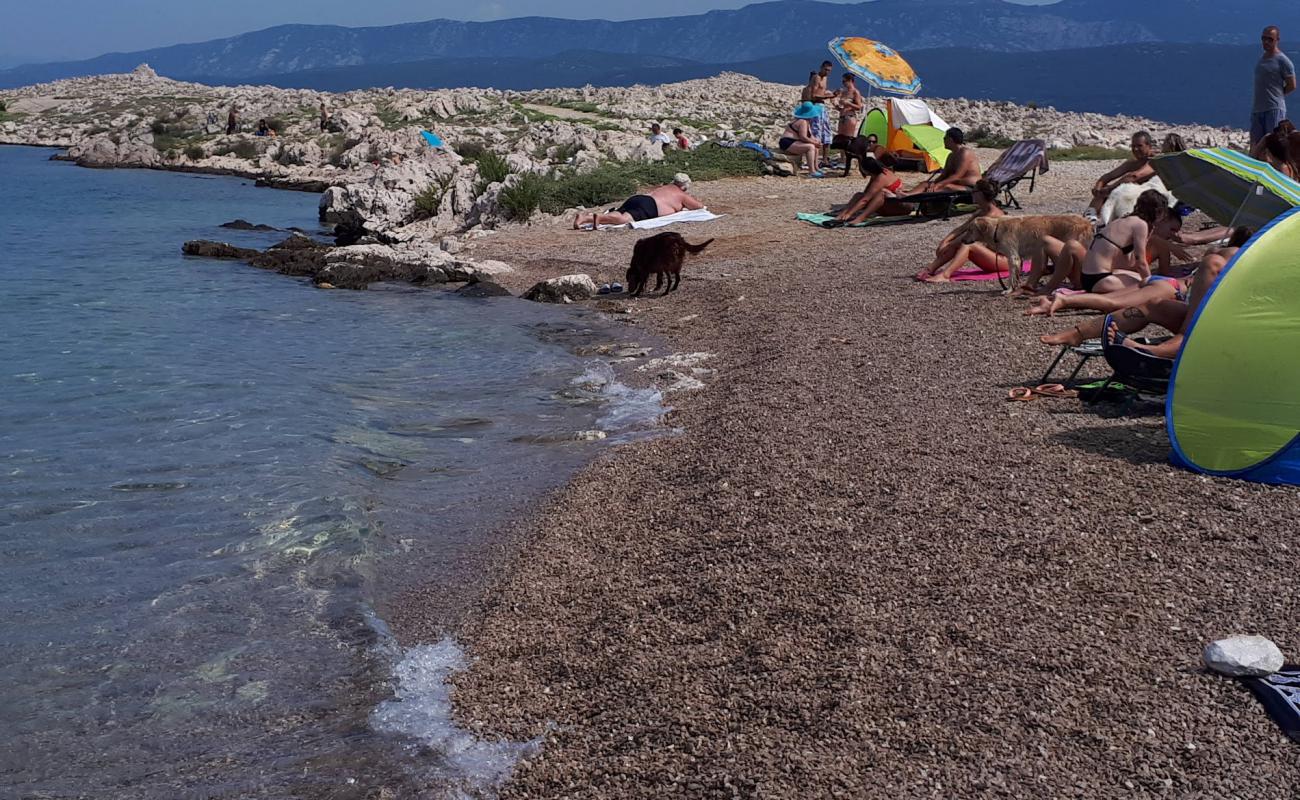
[213, 479]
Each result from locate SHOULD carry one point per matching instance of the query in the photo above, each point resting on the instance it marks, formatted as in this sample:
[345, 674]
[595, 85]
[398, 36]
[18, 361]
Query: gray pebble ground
[860, 572]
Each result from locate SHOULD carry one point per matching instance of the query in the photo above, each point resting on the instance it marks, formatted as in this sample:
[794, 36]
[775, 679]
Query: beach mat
[818, 219]
[1279, 693]
[698, 215]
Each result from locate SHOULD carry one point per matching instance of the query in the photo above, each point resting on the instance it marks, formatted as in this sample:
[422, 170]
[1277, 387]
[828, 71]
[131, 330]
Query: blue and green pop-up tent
[1233, 407]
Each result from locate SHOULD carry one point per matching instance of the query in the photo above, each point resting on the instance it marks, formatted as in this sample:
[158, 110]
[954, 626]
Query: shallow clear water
[210, 475]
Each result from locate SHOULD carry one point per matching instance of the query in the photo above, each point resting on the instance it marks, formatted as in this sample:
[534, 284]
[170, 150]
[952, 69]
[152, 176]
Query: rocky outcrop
[355, 266]
[564, 289]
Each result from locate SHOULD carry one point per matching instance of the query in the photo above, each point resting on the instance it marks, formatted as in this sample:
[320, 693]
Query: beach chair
[1137, 372]
[1026, 158]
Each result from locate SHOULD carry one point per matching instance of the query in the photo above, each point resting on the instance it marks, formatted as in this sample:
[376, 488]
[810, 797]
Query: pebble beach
[857, 571]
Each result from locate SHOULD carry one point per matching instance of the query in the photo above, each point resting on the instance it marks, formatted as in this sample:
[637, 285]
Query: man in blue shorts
[1274, 80]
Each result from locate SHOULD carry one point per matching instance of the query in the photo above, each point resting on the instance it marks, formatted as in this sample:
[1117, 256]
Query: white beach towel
[699, 215]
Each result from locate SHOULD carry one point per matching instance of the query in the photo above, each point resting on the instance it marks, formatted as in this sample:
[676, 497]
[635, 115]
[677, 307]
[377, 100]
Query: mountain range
[751, 33]
[1178, 60]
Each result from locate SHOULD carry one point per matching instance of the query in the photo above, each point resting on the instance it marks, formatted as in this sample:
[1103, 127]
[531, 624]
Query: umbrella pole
[1254, 189]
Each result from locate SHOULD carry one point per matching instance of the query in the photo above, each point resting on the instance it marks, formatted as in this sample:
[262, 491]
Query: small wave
[421, 709]
[626, 409]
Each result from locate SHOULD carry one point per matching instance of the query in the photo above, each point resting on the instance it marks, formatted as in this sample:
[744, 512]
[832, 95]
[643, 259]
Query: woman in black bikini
[797, 138]
[1117, 258]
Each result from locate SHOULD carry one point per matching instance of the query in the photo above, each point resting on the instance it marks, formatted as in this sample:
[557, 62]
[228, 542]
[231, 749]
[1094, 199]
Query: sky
[75, 29]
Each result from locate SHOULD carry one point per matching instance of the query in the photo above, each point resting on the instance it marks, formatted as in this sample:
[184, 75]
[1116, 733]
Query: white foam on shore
[421, 709]
[626, 410]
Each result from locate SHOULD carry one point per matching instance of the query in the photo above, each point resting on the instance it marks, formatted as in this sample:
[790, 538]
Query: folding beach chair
[1138, 372]
[1026, 158]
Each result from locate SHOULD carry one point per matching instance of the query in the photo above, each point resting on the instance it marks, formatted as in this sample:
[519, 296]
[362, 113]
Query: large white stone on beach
[1242, 656]
[563, 289]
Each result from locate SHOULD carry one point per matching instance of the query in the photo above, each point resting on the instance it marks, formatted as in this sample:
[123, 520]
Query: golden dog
[1018, 238]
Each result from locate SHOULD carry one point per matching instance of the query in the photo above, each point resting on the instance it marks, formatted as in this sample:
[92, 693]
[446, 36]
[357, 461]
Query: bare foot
[1073, 337]
[940, 278]
[924, 274]
[1040, 307]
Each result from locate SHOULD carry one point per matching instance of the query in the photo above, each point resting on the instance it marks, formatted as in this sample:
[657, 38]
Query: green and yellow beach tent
[890, 126]
[1233, 407]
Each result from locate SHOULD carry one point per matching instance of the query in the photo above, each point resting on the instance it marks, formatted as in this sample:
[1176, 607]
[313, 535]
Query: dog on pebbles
[1019, 238]
[660, 254]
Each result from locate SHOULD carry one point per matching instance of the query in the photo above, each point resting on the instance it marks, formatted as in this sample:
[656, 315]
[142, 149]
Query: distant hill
[753, 32]
[1202, 83]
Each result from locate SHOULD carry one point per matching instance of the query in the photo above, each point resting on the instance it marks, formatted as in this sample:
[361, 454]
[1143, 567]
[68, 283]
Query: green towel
[818, 219]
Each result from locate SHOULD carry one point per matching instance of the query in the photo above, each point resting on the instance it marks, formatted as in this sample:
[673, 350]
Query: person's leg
[805, 151]
[1068, 256]
[1099, 200]
[855, 205]
[943, 255]
[1117, 281]
[1111, 303]
[611, 218]
[1131, 320]
[873, 204]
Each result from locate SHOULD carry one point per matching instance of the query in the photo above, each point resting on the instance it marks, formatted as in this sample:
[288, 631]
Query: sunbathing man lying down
[1156, 307]
[658, 202]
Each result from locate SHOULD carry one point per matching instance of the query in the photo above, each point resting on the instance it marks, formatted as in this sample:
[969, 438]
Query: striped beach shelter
[1233, 407]
[1229, 186]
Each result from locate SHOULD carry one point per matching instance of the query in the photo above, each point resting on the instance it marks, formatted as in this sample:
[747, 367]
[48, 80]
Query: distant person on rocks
[850, 103]
[658, 202]
[798, 140]
[657, 135]
[1274, 80]
[1137, 169]
[960, 171]
[324, 117]
[682, 142]
[262, 128]
[232, 121]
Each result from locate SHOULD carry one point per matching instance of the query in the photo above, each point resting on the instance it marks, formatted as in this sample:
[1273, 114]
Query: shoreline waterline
[237, 466]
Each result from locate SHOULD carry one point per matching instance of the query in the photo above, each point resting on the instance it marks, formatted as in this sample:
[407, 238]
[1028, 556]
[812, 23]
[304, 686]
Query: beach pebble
[1241, 656]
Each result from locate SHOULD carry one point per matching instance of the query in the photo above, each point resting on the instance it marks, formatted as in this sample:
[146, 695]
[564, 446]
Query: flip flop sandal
[1020, 394]
[1053, 390]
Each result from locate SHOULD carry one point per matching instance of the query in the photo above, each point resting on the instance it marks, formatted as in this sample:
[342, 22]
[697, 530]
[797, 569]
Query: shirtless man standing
[849, 101]
[817, 92]
[1137, 169]
[960, 171]
[658, 202]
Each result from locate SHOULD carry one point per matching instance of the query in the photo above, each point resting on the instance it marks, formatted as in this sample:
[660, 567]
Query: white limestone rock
[564, 289]
[1241, 656]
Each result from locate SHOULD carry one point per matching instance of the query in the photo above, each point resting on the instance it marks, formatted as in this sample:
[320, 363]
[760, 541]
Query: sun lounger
[1026, 158]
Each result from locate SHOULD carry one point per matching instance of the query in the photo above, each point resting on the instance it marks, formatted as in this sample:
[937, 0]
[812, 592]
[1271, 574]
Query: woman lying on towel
[879, 198]
[1133, 310]
[952, 255]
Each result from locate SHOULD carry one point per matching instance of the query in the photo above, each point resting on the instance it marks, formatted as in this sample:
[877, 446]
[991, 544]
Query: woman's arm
[1139, 256]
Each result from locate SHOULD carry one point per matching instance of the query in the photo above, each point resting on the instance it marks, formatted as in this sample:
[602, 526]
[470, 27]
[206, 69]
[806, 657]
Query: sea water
[214, 480]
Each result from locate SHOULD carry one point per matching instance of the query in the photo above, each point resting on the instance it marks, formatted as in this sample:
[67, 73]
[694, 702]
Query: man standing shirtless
[817, 92]
[658, 202]
[960, 171]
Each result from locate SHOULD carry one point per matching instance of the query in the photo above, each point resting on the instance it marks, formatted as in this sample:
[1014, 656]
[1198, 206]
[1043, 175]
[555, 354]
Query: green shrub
[608, 182]
[277, 124]
[492, 168]
[981, 136]
[428, 201]
[194, 152]
[3, 106]
[523, 199]
[243, 149]
[1087, 153]
[158, 127]
[471, 150]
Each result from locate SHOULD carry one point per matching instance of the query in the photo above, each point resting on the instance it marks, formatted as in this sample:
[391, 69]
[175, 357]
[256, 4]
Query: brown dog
[1021, 237]
[659, 254]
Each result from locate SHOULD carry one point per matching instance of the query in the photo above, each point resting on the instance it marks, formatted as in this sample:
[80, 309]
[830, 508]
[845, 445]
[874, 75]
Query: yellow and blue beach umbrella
[1230, 187]
[1233, 407]
[878, 64]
